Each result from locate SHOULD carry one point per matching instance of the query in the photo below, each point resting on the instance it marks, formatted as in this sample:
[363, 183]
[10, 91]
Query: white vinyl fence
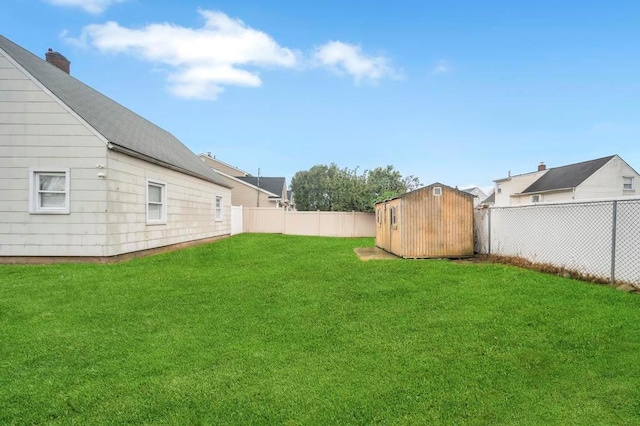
[327, 224]
[600, 238]
[236, 220]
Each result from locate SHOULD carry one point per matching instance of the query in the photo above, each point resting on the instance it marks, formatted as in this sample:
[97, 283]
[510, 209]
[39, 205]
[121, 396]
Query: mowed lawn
[271, 329]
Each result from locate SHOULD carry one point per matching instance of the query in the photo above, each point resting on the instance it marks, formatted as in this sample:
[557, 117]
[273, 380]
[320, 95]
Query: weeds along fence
[598, 239]
[328, 224]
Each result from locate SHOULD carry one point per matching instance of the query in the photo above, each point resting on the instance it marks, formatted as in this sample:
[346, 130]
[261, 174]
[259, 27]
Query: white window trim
[33, 190]
[216, 210]
[633, 183]
[539, 198]
[437, 191]
[163, 218]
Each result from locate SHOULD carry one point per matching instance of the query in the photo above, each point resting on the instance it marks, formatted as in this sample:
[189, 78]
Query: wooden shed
[435, 221]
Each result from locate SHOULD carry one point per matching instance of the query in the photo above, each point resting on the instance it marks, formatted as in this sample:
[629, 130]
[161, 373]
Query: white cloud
[348, 58]
[91, 6]
[442, 67]
[202, 61]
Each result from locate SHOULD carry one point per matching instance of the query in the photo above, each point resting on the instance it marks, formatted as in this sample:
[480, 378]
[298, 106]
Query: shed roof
[428, 187]
[124, 129]
[569, 176]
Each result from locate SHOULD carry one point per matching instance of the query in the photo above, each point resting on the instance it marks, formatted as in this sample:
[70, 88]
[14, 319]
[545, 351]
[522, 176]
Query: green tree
[331, 188]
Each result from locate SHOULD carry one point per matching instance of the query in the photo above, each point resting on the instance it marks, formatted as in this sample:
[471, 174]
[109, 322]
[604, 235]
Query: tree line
[331, 188]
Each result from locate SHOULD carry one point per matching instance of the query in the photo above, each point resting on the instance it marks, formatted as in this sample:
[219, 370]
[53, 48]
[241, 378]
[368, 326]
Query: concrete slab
[373, 253]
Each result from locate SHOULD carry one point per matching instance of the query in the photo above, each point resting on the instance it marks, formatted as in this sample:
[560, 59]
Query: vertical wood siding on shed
[428, 226]
[437, 226]
[388, 237]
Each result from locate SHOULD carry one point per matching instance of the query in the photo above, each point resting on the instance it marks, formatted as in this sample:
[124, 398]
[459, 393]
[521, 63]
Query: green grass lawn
[271, 329]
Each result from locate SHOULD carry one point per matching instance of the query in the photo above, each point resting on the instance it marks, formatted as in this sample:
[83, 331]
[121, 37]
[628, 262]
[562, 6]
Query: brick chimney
[58, 60]
[542, 166]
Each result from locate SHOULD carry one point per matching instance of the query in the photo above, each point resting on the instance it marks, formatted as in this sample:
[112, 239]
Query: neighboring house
[247, 195]
[431, 222]
[477, 193]
[489, 201]
[292, 201]
[221, 166]
[274, 185]
[248, 190]
[606, 177]
[81, 175]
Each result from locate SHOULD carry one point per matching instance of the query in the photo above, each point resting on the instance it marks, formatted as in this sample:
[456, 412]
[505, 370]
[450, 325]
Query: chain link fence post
[489, 231]
[614, 226]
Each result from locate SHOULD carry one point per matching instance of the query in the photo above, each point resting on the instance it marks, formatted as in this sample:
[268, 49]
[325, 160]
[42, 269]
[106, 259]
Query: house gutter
[152, 160]
[545, 191]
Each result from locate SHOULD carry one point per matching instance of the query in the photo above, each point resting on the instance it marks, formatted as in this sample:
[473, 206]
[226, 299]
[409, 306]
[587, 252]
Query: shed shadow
[373, 253]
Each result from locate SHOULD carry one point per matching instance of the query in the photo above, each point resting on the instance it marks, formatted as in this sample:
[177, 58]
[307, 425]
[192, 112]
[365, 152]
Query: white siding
[515, 185]
[223, 167]
[607, 181]
[246, 195]
[36, 131]
[190, 206]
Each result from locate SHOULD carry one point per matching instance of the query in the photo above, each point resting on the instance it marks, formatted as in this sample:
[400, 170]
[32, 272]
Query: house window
[378, 216]
[437, 191]
[218, 208]
[627, 183]
[49, 191]
[156, 202]
[536, 198]
[394, 221]
[499, 189]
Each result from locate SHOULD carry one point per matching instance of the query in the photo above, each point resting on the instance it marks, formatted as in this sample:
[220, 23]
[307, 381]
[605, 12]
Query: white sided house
[602, 178]
[248, 190]
[81, 175]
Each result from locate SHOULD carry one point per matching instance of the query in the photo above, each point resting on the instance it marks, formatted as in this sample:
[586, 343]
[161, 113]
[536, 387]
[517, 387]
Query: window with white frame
[536, 198]
[627, 183]
[218, 208]
[499, 188]
[156, 202]
[49, 191]
[437, 191]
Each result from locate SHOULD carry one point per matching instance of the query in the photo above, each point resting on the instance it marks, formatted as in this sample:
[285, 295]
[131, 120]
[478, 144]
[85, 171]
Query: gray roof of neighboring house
[274, 185]
[491, 199]
[126, 130]
[569, 176]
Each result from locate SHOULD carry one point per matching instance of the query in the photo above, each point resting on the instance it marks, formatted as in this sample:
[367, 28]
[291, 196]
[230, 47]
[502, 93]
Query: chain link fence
[598, 240]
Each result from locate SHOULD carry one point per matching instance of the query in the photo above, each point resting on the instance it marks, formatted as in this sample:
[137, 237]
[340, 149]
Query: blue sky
[459, 92]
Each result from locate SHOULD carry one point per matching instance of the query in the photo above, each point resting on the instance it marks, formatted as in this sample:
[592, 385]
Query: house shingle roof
[569, 176]
[274, 185]
[490, 199]
[120, 126]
